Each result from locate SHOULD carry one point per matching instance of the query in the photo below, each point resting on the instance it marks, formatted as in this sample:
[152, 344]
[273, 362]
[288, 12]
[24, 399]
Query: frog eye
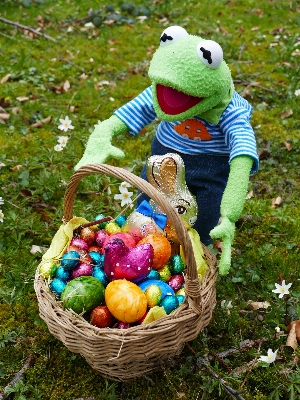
[172, 34]
[180, 209]
[210, 53]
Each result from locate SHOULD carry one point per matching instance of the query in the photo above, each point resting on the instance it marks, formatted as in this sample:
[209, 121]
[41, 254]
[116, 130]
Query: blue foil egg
[169, 303]
[97, 258]
[153, 274]
[120, 220]
[70, 260]
[62, 274]
[99, 274]
[180, 299]
[102, 225]
[165, 288]
[57, 286]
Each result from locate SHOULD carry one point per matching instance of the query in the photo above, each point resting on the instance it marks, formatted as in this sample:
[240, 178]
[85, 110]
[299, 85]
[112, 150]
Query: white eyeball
[172, 34]
[210, 53]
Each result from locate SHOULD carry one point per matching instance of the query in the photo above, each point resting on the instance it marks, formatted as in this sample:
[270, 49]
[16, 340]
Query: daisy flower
[282, 289]
[65, 124]
[1, 216]
[271, 357]
[62, 140]
[124, 196]
[297, 92]
[58, 147]
[1, 200]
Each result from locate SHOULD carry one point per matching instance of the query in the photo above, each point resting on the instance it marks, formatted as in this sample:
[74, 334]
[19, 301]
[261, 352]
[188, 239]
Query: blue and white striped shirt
[233, 134]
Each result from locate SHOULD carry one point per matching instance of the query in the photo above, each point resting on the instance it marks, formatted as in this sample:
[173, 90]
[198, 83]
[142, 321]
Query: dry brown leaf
[17, 167]
[297, 328]
[16, 110]
[286, 114]
[291, 339]
[22, 98]
[5, 78]
[40, 123]
[276, 202]
[255, 28]
[256, 305]
[4, 116]
[287, 145]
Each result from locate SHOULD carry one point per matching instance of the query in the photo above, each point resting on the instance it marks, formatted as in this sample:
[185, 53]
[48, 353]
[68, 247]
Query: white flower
[124, 185]
[226, 304]
[277, 329]
[1, 216]
[65, 124]
[2, 165]
[108, 190]
[271, 357]
[62, 140]
[1, 200]
[282, 289]
[124, 195]
[58, 147]
[297, 92]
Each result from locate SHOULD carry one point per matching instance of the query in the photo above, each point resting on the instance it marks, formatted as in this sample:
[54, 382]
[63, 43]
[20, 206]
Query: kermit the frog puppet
[203, 119]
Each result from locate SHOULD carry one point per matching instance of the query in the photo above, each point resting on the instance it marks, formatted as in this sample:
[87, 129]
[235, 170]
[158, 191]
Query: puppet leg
[206, 178]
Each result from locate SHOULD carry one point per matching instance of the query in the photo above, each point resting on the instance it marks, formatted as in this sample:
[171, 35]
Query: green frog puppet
[203, 119]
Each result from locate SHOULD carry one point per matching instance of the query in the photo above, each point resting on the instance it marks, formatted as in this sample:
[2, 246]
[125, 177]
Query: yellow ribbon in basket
[59, 244]
[153, 314]
[198, 253]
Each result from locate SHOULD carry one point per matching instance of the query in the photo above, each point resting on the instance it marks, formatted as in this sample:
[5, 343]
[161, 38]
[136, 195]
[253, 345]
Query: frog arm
[232, 206]
[99, 147]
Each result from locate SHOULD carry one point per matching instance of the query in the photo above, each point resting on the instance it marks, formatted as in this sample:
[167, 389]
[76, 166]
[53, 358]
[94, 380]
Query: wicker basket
[124, 354]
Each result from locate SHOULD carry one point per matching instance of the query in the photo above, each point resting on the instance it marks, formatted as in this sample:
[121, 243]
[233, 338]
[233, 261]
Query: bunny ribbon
[146, 209]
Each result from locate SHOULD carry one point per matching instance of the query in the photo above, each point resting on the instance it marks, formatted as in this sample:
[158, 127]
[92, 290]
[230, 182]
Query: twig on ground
[27, 28]
[19, 375]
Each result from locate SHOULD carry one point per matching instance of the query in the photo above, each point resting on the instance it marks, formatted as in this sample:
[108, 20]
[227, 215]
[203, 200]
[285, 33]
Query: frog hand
[99, 147]
[224, 231]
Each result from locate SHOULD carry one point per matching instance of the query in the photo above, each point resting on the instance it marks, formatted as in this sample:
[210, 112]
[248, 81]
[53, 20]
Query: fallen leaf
[264, 155]
[66, 86]
[22, 98]
[4, 103]
[4, 116]
[291, 339]
[256, 305]
[287, 145]
[286, 114]
[16, 110]
[38, 249]
[17, 167]
[255, 28]
[42, 122]
[297, 328]
[5, 78]
[25, 193]
[276, 202]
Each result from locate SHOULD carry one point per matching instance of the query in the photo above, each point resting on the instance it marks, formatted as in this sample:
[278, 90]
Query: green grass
[258, 39]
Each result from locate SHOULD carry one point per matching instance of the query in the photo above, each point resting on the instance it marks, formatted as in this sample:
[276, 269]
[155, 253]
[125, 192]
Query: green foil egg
[154, 295]
[164, 273]
[176, 264]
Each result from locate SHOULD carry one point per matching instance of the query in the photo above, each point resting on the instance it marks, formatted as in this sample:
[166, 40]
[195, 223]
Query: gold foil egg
[154, 295]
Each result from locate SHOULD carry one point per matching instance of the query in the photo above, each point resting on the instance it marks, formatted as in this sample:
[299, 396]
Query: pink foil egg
[100, 237]
[176, 282]
[122, 262]
[83, 269]
[127, 238]
[78, 242]
[123, 325]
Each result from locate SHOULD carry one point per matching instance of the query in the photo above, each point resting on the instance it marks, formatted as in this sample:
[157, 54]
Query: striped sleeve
[137, 113]
[239, 134]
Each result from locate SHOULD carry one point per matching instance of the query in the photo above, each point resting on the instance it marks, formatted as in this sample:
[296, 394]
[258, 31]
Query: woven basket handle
[145, 187]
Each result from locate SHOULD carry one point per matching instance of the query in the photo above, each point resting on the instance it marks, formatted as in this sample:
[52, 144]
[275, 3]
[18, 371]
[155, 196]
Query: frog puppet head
[189, 77]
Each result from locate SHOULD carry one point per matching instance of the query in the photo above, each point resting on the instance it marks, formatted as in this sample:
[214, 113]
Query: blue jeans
[206, 177]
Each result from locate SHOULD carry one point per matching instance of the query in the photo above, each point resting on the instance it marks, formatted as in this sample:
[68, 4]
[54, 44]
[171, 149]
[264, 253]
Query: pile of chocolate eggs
[114, 277]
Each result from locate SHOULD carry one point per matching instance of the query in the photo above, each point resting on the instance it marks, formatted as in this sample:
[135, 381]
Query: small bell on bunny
[167, 174]
[144, 221]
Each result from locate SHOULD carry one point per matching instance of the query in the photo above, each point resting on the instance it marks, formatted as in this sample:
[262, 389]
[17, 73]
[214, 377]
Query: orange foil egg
[161, 247]
[125, 300]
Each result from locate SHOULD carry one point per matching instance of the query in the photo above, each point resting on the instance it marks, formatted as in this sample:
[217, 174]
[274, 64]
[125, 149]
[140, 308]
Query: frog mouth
[172, 101]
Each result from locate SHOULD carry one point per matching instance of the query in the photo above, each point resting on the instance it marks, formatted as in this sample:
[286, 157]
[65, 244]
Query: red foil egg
[88, 235]
[83, 269]
[95, 248]
[127, 238]
[101, 317]
[176, 282]
[100, 237]
[78, 242]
